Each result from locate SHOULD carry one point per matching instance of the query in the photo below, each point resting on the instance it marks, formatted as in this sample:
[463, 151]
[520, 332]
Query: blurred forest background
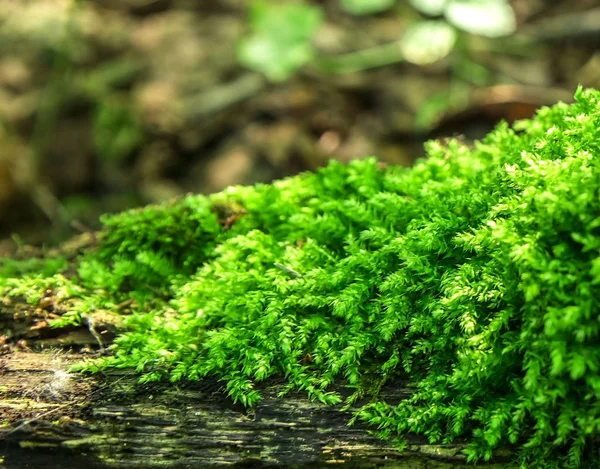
[111, 104]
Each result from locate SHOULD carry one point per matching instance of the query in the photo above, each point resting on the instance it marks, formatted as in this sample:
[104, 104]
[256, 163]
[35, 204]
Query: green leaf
[116, 131]
[366, 7]
[491, 18]
[427, 42]
[281, 39]
[432, 110]
[429, 7]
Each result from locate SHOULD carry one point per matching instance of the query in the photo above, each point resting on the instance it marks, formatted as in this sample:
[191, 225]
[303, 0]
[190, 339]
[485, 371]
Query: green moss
[15, 268]
[473, 276]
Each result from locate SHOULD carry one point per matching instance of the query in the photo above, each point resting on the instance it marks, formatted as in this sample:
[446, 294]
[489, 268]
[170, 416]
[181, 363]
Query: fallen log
[54, 418]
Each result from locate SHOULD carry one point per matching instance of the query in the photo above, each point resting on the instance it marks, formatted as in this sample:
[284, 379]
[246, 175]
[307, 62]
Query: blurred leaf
[106, 76]
[366, 7]
[431, 111]
[426, 42]
[81, 207]
[472, 72]
[429, 7]
[116, 131]
[281, 42]
[491, 18]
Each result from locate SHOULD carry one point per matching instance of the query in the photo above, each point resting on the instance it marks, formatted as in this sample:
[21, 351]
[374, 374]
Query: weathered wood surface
[58, 419]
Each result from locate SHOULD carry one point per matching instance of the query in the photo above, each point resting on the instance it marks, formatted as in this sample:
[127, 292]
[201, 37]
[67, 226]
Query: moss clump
[473, 275]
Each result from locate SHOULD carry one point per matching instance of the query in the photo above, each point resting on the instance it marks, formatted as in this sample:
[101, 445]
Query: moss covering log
[471, 277]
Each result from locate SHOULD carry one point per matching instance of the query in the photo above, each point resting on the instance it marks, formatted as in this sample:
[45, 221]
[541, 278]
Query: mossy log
[472, 276]
[53, 418]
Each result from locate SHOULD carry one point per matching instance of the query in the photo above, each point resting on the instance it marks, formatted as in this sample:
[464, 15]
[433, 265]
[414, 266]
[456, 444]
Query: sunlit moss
[472, 276]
